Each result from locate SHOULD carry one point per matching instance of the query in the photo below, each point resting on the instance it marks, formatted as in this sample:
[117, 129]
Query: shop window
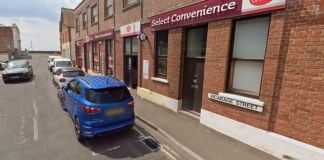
[110, 58]
[95, 53]
[247, 58]
[196, 42]
[161, 53]
[108, 8]
[77, 24]
[131, 45]
[84, 18]
[129, 2]
[94, 14]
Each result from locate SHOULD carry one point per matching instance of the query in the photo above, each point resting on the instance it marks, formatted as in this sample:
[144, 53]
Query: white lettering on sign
[195, 14]
[236, 102]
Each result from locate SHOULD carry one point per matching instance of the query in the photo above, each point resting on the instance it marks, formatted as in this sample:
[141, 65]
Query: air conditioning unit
[8, 46]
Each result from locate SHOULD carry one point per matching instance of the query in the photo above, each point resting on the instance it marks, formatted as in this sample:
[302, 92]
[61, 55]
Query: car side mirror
[48, 61]
[30, 65]
[54, 73]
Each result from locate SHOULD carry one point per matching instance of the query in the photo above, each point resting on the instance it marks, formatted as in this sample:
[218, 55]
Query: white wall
[16, 37]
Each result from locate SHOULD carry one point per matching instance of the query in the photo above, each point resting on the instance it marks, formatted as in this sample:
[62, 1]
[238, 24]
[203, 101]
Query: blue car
[97, 105]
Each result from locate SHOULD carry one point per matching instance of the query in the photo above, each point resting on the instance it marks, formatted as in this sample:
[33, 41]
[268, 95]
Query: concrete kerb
[169, 137]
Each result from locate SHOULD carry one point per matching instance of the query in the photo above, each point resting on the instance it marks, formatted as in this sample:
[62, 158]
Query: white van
[60, 63]
[50, 61]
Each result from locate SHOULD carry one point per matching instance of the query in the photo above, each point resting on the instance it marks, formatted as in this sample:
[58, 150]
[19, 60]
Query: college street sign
[243, 102]
[210, 10]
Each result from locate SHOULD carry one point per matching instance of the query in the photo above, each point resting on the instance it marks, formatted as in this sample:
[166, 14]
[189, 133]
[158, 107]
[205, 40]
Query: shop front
[97, 56]
[129, 34]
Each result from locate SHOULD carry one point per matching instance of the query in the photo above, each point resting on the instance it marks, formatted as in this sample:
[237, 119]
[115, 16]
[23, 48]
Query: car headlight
[25, 70]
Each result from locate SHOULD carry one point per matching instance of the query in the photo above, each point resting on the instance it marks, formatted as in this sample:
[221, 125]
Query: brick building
[6, 43]
[67, 32]
[252, 70]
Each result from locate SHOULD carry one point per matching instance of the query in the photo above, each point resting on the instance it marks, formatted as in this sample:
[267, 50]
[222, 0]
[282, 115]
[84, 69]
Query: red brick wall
[299, 85]
[6, 37]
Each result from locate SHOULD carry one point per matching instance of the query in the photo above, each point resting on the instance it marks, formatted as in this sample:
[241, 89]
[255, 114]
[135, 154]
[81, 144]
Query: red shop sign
[107, 34]
[210, 10]
[79, 44]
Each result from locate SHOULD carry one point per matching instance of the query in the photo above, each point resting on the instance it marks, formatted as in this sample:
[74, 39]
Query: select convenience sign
[107, 34]
[209, 10]
[240, 102]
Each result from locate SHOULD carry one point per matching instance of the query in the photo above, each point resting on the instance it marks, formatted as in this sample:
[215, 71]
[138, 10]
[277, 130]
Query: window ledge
[110, 16]
[242, 98]
[159, 80]
[94, 23]
[131, 5]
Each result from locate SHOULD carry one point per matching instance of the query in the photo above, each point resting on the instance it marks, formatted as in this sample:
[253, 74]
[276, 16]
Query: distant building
[67, 33]
[6, 43]
[16, 38]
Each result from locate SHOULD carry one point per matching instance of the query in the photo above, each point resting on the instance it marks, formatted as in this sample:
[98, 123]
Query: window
[110, 95]
[77, 24]
[110, 58]
[84, 17]
[108, 8]
[95, 53]
[131, 45]
[94, 14]
[161, 53]
[196, 42]
[247, 59]
[71, 85]
[129, 2]
[77, 89]
[58, 72]
[73, 73]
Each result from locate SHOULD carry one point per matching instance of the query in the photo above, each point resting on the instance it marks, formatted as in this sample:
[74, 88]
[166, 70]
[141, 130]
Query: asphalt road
[33, 126]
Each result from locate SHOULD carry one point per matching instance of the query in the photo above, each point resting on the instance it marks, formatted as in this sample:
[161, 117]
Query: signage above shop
[130, 29]
[107, 34]
[79, 43]
[210, 10]
[244, 102]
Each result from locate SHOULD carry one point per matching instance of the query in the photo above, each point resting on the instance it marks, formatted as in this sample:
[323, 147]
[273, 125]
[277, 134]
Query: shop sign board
[258, 107]
[106, 34]
[130, 29]
[210, 10]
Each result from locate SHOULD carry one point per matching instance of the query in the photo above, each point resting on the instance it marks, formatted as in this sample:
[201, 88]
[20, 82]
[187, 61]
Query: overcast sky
[37, 20]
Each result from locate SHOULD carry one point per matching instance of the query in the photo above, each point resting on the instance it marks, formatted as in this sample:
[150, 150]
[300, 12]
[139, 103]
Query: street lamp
[31, 45]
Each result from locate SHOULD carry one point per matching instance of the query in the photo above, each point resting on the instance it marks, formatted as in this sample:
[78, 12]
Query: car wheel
[77, 128]
[53, 81]
[51, 69]
[32, 73]
[4, 81]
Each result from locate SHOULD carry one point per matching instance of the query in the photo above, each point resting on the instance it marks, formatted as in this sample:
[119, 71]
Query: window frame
[77, 27]
[107, 6]
[158, 57]
[131, 46]
[232, 61]
[92, 15]
[126, 4]
[84, 20]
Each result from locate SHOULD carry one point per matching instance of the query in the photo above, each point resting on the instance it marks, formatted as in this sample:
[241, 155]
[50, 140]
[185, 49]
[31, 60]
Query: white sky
[37, 20]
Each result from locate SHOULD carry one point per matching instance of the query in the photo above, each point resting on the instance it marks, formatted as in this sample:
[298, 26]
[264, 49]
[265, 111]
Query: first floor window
[247, 58]
[161, 53]
[94, 14]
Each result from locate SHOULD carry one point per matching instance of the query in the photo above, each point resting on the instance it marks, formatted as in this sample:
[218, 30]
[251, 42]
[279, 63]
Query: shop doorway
[131, 71]
[194, 66]
[109, 58]
[130, 61]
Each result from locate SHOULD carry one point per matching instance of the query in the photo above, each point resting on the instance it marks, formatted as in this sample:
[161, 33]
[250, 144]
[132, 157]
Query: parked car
[2, 66]
[50, 61]
[64, 75]
[17, 69]
[60, 63]
[97, 105]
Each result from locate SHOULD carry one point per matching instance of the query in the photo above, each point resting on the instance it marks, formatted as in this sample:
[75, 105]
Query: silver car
[64, 75]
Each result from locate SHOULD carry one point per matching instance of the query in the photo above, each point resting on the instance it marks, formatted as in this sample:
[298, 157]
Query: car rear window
[73, 74]
[63, 64]
[108, 95]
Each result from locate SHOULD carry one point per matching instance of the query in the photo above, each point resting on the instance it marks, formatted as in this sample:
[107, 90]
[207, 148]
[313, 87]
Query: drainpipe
[141, 46]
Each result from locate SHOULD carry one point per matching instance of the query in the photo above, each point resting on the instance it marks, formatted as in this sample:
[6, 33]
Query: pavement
[188, 133]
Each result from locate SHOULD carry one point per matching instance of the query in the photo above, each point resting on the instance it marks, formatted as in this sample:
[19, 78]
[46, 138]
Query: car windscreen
[17, 64]
[73, 73]
[63, 64]
[108, 95]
